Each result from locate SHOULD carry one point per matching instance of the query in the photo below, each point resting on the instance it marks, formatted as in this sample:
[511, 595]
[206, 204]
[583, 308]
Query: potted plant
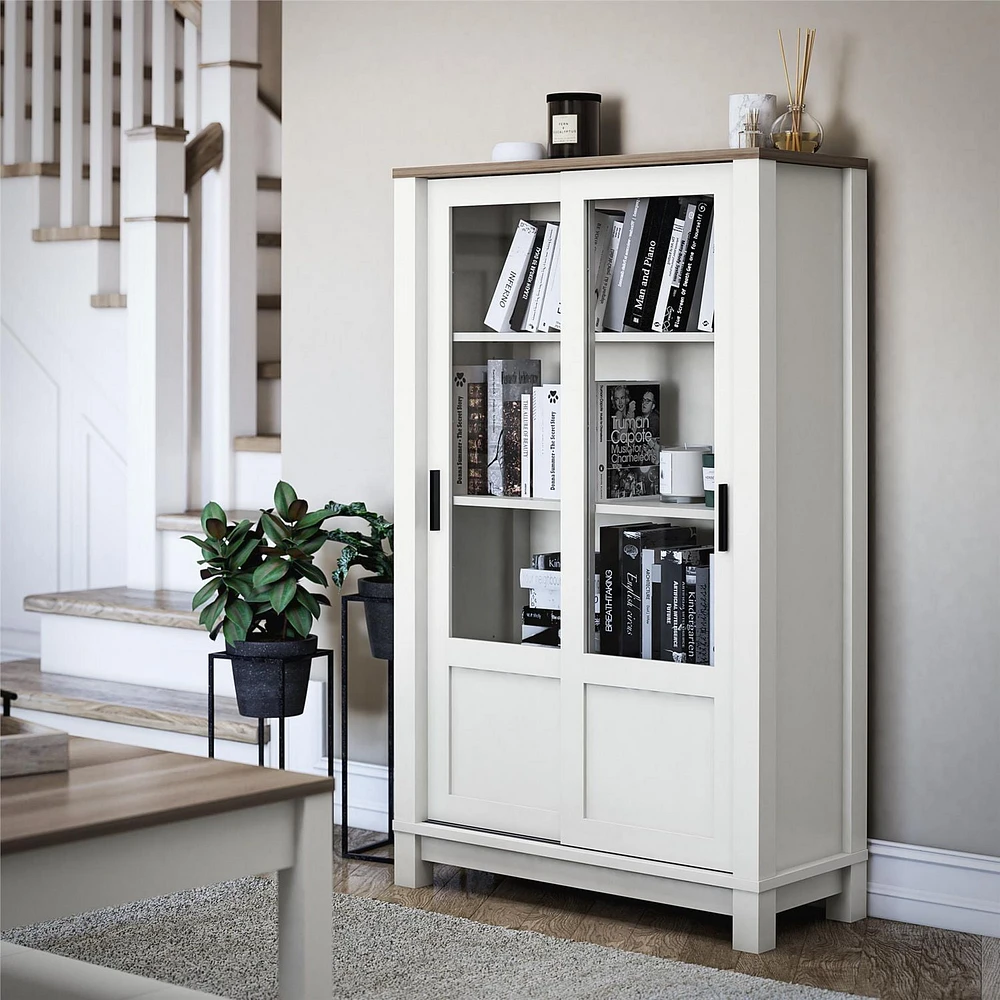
[255, 597]
[370, 552]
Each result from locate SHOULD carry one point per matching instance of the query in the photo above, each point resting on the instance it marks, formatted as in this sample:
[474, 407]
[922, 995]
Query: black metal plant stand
[328, 653]
[359, 853]
[8, 697]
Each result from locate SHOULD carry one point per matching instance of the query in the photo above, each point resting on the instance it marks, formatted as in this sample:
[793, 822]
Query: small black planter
[378, 615]
[261, 667]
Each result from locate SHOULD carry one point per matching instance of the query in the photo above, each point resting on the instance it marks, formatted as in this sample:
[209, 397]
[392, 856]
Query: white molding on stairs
[934, 887]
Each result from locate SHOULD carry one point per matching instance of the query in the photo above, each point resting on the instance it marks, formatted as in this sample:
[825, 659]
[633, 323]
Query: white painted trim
[367, 793]
[934, 887]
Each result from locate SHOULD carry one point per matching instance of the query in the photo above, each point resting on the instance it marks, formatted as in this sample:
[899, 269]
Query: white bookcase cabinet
[738, 788]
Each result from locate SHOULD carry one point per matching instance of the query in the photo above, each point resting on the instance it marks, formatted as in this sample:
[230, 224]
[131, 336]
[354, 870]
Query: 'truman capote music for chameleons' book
[507, 380]
[628, 439]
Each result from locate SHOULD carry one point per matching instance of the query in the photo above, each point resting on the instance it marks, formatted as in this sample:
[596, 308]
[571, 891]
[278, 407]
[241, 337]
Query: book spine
[628, 254]
[541, 282]
[669, 265]
[711, 610]
[520, 311]
[641, 299]
[552, 304]
[600, 239]
[609, 269]
[476, 433]
[692, 260]
[512, 447]
[542, 579]
[673, 622]
[545, 465]
[545, 597]
[690, 612]
[657, 620]
[677, 271]
[610, 591]
[525, 444]
[505, 293]
[706, 308]
[631, 576]
[602, 441]
[546, 617]
[460, 433]
[648, 561]
[546, 560]
[703, 613]
[494, 427]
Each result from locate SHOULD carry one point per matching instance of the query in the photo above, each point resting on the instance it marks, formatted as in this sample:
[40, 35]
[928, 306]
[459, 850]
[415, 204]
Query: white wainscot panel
[650, 760]
[505, 738]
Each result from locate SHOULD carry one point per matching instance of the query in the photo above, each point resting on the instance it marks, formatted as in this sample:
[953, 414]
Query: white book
[706, 315]
[551, 318]
[540, 579]
[679, 236]
[462, 377]
[609, 269]
[650, 574]
[537, 299]
[600, 240]
[545, 464]
[545, 597]
[526, 444]
[509, 282]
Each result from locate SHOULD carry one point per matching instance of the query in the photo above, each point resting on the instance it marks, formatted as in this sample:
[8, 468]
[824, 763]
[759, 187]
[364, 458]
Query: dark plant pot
[262, 667]
[378, 615]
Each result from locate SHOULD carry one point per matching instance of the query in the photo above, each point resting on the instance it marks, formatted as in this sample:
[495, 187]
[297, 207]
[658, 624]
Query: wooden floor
[872, 958]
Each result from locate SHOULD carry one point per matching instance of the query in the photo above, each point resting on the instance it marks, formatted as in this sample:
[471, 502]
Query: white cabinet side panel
[810, 509]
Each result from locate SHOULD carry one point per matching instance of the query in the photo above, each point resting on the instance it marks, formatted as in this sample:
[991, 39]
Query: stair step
[169, 608]
[268, 301]
[269, 240]
[60, 234]
[116, 67]
[190, 521]
[258, 442]
[269, 369]
[109, 300]
[116, 118]
[268, 183]
[29, 169]
[125, 704]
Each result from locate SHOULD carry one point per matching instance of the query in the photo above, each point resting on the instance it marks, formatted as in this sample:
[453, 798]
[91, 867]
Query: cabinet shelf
[515, 337]
[637, 337]
[655, 507]
[513, 503]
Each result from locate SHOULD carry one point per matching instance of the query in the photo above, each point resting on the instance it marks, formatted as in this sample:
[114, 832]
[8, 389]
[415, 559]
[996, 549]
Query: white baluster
[164, 63]
[72, 210]
[101, 136]
[15, 82]
[43, 81]
[192, 58]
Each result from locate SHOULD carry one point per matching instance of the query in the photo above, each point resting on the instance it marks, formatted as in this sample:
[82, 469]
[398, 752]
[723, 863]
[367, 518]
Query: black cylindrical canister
[574, 124]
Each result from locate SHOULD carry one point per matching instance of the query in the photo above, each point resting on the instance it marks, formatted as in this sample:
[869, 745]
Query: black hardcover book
[644, 320]
[520, 312]
[690, 612]
[634, 540]
[673, 599]
[642, 296]
[691, 265]
[540, 626]
[702, 641]
[673, 298]
[657, 618]
[610, 583]
[546, 560]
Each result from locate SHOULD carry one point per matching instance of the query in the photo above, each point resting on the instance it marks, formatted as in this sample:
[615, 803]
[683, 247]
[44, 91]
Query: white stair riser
[256, 475]
[268, 270]
[268, 211]
[179, 561]
[268, 406]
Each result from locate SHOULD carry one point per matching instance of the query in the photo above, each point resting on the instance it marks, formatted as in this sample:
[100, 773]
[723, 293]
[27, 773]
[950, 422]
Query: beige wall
[912, 86]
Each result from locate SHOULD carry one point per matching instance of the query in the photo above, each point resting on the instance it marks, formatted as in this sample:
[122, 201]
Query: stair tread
[258, 442]
[170, 608]
[268, 301]
[126, 704]
[190, 520]
[269, 369]
[61, 234]
[265, 183]
[272, 240]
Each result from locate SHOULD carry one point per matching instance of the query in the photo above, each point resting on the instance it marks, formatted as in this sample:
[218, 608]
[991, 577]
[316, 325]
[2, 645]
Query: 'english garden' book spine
[525, 444]
[520, 311]
[545, 474]
[680, 229]
[609, 268]
[463, 378]
[628, 254]
[706, 308]
[643, 293]
[507, 379]
[551, 318]
[509, 283]
[477, 437]
[692, 260]
[542, 280]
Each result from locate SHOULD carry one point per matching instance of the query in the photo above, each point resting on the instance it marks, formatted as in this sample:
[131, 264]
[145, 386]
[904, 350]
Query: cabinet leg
[852, 902]
[409, 869]
[753, 921]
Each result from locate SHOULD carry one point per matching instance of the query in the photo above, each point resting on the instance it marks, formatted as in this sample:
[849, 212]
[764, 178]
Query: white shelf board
[636, 337]
[514, 503]
[489, 337]
[655, 507]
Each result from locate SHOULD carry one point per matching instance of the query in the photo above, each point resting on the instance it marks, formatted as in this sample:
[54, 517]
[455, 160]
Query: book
[691, 262]
[701, 647]
[543, 579]
[651, 645]
[545, 597]
[624, 271]
[540, 626]
[706, 306]
[674, 600]
[511, 277]
[477, 438]
[609, 267]
[652, 253]
[551, 318]
[520, 311]
[463, 377]
[711, 610]
[610, 591]
[628, 439]
[600, 241]
[507, 379]
[545, 461]
[633, 541]
[679, 234]
[526, 444]
[541, 282]
[546, 560]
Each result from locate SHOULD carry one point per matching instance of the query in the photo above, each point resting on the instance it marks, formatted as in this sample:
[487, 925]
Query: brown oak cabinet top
[501, 167]
[112, 789]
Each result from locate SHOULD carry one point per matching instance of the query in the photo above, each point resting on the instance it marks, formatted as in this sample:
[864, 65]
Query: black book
[642, 296]
[702, 635]
[540, 626]
[520, 312]
[634, 540]
[692, 264]
[546, 560]
[610, 585]
[673, 207]
[673, 598]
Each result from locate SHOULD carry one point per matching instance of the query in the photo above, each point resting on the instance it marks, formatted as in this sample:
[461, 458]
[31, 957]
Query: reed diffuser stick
[784, 64]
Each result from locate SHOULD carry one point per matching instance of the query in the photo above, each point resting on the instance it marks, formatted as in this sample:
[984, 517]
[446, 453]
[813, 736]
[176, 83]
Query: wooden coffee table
[125, 823]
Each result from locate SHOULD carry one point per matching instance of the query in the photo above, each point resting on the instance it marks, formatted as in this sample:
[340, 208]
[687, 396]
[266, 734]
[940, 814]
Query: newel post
[157, 384]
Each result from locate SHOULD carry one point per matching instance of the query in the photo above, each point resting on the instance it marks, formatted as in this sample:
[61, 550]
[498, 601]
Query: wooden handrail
[190, 9]
[203, 153]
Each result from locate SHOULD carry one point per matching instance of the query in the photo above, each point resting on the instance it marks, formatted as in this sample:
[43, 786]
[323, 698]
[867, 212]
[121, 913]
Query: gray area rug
[223, 940]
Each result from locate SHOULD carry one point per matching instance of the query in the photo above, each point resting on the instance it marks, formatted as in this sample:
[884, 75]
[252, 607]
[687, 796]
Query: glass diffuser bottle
[796, 130]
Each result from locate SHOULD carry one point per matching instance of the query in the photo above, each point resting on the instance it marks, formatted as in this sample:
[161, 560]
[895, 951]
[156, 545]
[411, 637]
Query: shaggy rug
[223, 939]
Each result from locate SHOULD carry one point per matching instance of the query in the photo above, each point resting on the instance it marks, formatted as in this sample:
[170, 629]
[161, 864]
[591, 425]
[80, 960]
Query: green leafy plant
[255, 571]
[360, 549]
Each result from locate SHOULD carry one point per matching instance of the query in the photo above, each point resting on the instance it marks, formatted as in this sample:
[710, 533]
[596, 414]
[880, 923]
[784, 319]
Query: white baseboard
[19, 644]
[367, 794]
[934, 887]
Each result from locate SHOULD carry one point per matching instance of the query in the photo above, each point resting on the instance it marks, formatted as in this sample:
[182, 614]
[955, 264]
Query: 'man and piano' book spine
[652, 249]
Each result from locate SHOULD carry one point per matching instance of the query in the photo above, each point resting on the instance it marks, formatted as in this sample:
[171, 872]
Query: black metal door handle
[722, 498]
[435, 500]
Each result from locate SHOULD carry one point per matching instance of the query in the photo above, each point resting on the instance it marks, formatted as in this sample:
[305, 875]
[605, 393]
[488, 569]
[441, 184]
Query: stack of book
[506, 430]
[527, 295]
[541, 616]
[655, 593]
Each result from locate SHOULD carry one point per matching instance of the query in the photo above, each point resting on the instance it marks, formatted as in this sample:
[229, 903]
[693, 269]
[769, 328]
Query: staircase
[141, 350]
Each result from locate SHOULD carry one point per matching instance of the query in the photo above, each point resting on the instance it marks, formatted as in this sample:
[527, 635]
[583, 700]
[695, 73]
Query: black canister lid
[573, 97]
